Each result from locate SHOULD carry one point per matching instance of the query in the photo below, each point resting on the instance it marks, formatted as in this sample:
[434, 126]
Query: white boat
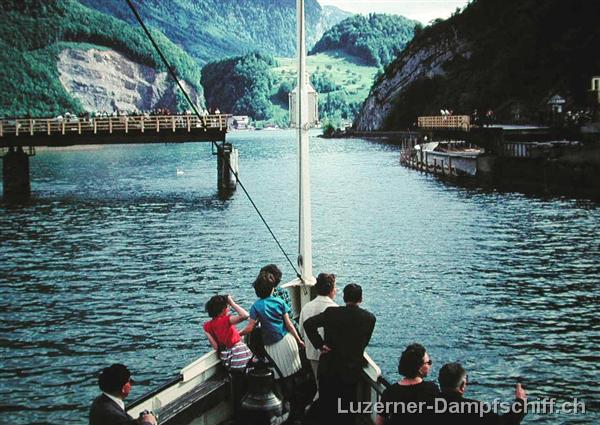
[444, 158]
[200, 393]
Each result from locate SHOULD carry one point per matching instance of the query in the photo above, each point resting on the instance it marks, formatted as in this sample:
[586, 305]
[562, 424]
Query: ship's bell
[260, 400]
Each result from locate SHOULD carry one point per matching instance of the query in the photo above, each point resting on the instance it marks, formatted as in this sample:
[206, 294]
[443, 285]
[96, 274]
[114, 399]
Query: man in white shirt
[326, 291]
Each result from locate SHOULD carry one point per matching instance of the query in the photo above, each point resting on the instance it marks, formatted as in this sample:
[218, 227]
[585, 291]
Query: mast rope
[203, 119]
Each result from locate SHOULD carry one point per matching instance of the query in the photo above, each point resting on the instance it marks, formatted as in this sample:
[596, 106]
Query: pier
[20, 137]
[561, 160]
[112, 130]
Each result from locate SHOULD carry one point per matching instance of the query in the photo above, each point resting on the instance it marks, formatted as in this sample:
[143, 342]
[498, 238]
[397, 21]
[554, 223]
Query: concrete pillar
[227, 154]
[15, 174]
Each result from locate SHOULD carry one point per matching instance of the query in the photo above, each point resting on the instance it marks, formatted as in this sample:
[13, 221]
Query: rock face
[105, 80]
[426, 59]
[505, 56]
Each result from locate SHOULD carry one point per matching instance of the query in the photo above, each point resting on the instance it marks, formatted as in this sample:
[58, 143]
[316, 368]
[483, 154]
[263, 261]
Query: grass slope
[353, 77]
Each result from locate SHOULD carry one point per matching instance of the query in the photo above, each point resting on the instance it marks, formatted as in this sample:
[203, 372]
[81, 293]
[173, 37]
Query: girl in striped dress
[222, 334]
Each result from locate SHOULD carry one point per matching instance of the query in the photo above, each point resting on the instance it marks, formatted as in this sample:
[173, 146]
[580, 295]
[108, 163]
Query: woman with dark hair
[414, 365]
[279, 335]
[280, 338]
[277, 291]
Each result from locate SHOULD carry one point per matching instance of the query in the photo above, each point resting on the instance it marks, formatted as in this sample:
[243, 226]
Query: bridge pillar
[15, 174]
[227, 154]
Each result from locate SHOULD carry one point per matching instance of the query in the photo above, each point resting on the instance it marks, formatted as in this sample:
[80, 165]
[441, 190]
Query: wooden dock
[112, 130]
[20, 137]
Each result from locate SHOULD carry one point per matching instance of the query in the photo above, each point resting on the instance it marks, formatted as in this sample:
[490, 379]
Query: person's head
[414, 362]
[274, 270]
[325, 284]
[115, 380]
[453, 377]
[215, 306]
[264, 284]
[352, 293]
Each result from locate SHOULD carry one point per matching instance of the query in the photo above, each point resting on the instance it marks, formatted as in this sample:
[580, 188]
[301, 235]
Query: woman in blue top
[277, 291]
[279, 334]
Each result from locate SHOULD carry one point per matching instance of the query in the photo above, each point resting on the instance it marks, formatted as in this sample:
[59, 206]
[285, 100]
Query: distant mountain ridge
[510, 56]
[211, 30]
[376, 38]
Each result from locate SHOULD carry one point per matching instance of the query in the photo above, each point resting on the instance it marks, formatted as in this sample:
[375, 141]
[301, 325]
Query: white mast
[305, 245]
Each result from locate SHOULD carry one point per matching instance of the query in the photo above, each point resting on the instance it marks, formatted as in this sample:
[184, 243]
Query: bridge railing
[109, 125]
[461, 122]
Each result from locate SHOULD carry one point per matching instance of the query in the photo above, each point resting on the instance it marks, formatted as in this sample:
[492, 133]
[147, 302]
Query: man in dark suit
[347, 331]
[108, 408]
[463, 411]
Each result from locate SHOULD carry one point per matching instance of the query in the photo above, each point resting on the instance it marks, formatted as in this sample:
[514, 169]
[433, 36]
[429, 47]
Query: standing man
[326, 291]
[347, 331]
[108, 408]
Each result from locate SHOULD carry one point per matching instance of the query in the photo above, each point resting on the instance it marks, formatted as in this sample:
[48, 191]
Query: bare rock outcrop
[106, 80]
[425, 59]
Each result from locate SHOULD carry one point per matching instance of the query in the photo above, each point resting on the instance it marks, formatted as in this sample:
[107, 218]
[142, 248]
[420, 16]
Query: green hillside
[376, 38]
[343, 82]
[258, 85]
[212, 30]
[30, 41]
[240, 85]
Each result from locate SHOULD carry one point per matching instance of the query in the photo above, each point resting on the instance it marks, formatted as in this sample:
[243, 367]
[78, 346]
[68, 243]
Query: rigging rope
[189, 100]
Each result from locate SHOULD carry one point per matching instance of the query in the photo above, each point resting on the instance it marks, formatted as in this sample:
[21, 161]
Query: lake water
[116, 254]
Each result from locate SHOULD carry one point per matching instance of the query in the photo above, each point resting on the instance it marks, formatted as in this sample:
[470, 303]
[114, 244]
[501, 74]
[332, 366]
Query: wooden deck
[461, 122]
[112, 130]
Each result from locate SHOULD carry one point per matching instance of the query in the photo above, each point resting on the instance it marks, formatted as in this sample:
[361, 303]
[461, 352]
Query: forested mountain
[510, 56]
[211, 30]
[376, 38]
[258, 85]
[342, 66]
[34, 34]
[241, 85]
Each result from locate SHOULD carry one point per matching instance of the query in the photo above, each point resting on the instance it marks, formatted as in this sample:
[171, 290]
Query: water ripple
[115, 256]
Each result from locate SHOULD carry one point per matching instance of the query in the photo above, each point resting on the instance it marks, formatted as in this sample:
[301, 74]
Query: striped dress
[237, 357]
[232, 351]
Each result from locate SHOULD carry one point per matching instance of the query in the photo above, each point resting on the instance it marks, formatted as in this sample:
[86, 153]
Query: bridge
[20, 137]
[112, 130]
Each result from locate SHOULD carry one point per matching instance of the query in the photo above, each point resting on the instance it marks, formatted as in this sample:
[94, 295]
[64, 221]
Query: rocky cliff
[425, 60]
[106, 80]
[510, 56]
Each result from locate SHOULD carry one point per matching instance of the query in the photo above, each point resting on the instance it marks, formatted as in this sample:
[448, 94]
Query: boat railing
[201, 389]
[371, 387]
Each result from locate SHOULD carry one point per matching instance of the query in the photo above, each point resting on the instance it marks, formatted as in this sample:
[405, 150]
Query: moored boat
[455, 159]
